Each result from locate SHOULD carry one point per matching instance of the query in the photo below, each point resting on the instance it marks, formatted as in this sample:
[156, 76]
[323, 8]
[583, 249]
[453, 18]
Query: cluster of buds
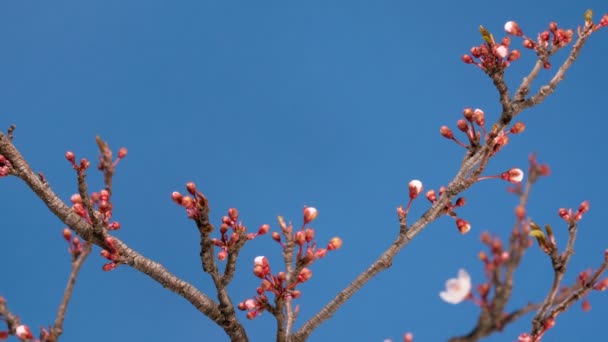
[227, 240]
[548, 323]
[415, 187]
[102, 208]
[111, 254]
[277, 285]
[192, 203]
[584, 278]
[107, 155]
[494, 258]
[492, 57]
[537, 170]
[463, 225]
[5, 166]
[572, 217]
[22, 332]
[304, 239]
[81, 166]
[474, 118]
[74, 244]
[282, 286]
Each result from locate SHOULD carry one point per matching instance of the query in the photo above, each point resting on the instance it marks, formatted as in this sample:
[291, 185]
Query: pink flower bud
[564, 213]
[462, 125]
[460, 202]
[309, 234]
[122, 152]
[191, 187]
[446, 132]
[334, 244]
[586, 306]
[467, 59]
[276, 236]
[479, 117]
[187, 202]
[114, 225]
[529, 44]
[602, 285]
[67, 234]
[109, 266]
[260, 260]
[69, 155]
[431, 196]
[304, 275]
[520, 212]
[468, 113]
[222, 255]
[415, 187]
[552, 26]
[514, 55]
[463, 226]
[310, 213]
[408, 337]
[518, 127]
[513, 175]
[525, 337]
[476, 51]
[299, 238]
[320, 253]
[233, 214]
[512, 28]
[500, 51]
[177, 197]
[84, 164]
[263, 229]
[584, 207]
[23, 332]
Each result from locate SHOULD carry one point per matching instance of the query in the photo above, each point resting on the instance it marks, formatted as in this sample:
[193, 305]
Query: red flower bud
[468, 113]
[263, 229]
[67, 234]
[233, 214]
[304, 275]
[529, 44]
[334, 243]
[177, 197]
[122, 152]
[446, 132]
[191, 187]
[518, 127]
[467, 59]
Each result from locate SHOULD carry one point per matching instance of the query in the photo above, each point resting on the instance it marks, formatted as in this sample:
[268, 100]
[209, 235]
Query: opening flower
[457, 289]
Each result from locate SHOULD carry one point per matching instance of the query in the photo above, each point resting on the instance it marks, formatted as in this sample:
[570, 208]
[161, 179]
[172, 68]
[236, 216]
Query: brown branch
[579, 293]
[559, 263]
[67, 293]
[127, 255]
[491, 318]
[549, 88]
[11, 320]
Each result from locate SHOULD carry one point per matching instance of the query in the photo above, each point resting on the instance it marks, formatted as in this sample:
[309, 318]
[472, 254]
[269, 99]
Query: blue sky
[269, 106]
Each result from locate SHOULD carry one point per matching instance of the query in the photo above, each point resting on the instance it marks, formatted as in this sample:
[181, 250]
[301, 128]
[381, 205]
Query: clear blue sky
[269, 106]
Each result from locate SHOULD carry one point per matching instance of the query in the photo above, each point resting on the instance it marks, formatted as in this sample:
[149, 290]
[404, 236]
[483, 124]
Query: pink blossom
[457, 289]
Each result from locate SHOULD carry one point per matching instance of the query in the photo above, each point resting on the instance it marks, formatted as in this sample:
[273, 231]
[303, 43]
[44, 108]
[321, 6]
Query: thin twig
[67, 293]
